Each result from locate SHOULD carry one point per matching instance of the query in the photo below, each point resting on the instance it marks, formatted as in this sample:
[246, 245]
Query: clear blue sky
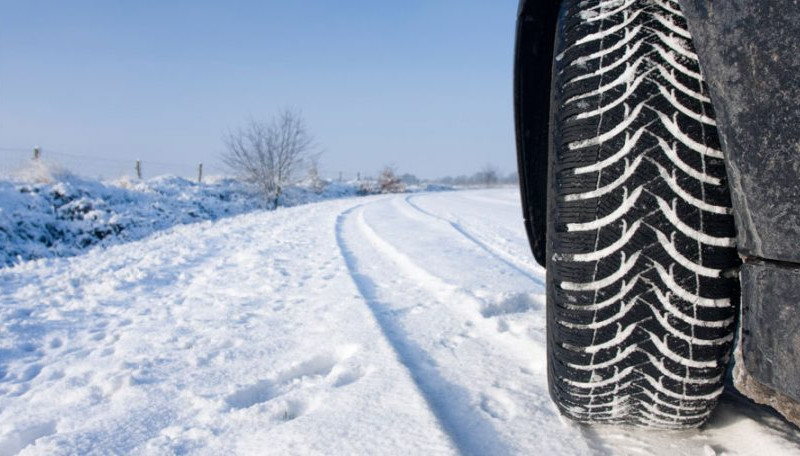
[423, 85]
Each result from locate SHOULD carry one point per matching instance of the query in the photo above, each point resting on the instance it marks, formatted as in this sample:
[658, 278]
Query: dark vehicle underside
[659, 157]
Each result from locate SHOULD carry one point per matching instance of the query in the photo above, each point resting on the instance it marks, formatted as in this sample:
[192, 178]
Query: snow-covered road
[395, 324]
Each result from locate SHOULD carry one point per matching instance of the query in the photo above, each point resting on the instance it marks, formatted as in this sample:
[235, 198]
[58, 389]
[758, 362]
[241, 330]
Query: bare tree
[389, 182]
[270, 155]
[314, 179]
[488, 176]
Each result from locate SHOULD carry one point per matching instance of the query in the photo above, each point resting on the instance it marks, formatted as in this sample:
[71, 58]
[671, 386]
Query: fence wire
[15, 161]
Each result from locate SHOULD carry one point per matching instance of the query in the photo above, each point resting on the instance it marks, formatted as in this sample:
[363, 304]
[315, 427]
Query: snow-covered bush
[389, 182]
[43, 171]
[48, 212]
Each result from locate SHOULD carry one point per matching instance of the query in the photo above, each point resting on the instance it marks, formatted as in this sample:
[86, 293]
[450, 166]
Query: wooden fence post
[138, 169]
[36, 153]
[200, 173]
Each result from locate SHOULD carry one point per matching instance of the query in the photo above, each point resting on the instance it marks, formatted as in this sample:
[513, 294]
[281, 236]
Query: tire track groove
[456, 418]
[485, 247]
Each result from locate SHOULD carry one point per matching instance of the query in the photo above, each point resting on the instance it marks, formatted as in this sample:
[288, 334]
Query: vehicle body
[749, 53]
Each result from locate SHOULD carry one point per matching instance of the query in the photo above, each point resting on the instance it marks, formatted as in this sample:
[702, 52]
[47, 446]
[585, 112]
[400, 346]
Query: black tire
[641, 256]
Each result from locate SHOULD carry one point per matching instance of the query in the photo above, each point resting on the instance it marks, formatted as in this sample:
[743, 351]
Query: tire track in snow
[469, 236]
[457, 419]
[499, 404]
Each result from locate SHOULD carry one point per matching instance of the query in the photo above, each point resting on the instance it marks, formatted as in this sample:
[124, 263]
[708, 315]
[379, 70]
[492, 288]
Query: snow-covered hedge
[48, 212]
[63, 216]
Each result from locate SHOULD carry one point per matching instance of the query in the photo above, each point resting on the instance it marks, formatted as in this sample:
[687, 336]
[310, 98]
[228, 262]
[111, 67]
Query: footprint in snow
[22, 313]
[20, 438]
[497, 405]
[302, 375]
[294, 409]
[249, 396]
[31, 372]
[28, 347]
[347, 376]
[511, 304]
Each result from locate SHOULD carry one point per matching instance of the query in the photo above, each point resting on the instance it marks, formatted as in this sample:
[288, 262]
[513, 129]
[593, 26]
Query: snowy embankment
[400, 324]
[63, 215]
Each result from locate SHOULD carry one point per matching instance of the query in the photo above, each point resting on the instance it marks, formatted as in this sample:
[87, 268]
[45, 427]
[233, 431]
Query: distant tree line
[390, 181]
[488, 176]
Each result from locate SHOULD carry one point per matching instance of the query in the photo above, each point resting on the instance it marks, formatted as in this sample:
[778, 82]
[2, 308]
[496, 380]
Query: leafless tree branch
[270, 155]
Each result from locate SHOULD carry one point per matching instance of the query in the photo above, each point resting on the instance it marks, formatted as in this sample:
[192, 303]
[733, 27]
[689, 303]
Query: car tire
[641, 260]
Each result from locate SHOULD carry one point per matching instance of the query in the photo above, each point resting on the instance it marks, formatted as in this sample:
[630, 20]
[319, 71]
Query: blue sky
[423, 85]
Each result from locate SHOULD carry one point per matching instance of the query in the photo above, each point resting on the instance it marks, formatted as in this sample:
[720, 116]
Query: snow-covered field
[400, 324]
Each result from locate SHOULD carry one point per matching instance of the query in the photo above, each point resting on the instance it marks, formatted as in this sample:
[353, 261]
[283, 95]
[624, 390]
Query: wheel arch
[750, 58]
[743, 67]
[533, 59]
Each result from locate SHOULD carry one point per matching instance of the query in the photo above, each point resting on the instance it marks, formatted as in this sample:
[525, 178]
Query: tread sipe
[641, 254]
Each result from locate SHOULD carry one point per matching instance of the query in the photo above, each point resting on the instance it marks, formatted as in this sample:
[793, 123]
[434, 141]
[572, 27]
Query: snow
[48, 212]
[392, 324]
